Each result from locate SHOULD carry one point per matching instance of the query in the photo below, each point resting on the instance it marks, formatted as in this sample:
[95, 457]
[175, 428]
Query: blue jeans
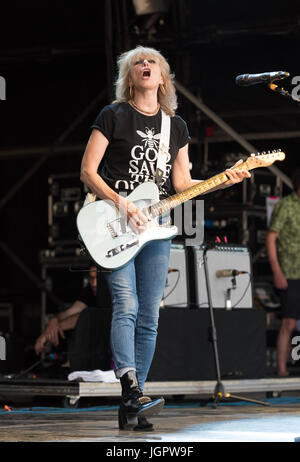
[136, 291]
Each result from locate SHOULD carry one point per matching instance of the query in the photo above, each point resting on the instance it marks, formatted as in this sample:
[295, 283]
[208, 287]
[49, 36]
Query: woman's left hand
[236, 176]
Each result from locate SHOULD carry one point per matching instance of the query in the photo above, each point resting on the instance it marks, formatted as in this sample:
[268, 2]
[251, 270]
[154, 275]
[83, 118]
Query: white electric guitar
[112, 243]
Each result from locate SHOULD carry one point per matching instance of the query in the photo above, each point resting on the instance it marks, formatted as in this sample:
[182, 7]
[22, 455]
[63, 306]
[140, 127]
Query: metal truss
[229, 130]
[43, 155]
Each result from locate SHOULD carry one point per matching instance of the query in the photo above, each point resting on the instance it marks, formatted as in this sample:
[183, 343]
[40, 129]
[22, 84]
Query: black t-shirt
[131, 156]
[86, 296]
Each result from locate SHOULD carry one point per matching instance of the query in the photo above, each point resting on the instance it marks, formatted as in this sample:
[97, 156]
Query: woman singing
[125, 137]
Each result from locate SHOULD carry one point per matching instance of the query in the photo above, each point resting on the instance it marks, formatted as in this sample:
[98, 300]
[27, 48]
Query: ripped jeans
[136, 291]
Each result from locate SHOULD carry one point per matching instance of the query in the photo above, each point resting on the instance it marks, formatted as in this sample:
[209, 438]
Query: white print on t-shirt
[142, 165]
[149, 139]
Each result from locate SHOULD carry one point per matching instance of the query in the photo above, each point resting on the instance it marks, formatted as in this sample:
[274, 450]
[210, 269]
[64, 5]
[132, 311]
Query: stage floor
[179, 422]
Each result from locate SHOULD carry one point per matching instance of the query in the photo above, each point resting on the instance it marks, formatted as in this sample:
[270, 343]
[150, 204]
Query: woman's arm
[181, 177]
[92, 157]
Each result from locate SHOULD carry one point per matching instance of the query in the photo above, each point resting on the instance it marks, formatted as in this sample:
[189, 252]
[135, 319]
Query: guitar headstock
[264, 159]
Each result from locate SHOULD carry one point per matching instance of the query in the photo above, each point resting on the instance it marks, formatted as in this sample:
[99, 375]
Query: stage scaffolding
[71, 392]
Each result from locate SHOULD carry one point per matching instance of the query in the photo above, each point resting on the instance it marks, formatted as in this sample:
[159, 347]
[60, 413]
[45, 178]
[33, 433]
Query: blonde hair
[125, 61]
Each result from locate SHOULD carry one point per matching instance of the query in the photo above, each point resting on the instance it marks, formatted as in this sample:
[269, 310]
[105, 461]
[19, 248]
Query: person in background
[67, 319]
[283, 249]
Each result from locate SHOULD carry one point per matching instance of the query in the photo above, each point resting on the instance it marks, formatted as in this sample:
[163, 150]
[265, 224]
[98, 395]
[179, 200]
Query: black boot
[134, 404]
[143, 424]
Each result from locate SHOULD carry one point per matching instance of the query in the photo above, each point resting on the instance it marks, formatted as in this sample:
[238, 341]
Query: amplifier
[177, 290]
[226, 291]
[65, 199]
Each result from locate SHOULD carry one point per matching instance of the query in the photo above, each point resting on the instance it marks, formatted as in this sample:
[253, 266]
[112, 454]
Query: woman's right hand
[136, 219]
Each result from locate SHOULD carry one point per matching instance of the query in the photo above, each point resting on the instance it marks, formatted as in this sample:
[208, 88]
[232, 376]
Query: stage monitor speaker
[226, 292]
[184, 350]
[176, 290]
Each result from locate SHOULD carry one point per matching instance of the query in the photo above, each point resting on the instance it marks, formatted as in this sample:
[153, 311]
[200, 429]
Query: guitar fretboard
[165, 205]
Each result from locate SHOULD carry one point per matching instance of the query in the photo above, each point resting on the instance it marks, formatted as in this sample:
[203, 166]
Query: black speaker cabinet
[224, 291]
[89, 342]
[184, 350]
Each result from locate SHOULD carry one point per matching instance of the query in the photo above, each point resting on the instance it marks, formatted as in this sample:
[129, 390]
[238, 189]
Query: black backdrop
[56, 57]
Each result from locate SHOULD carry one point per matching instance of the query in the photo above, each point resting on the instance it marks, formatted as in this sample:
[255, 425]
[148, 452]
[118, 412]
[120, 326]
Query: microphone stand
[228, 304]
[220, 392]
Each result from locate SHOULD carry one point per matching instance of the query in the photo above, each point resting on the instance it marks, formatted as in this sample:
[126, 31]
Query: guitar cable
[172, 290]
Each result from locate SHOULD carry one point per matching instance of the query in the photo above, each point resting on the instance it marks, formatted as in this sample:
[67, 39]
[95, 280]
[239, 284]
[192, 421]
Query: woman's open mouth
[146, 73]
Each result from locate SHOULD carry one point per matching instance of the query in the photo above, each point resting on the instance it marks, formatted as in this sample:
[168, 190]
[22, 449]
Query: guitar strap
[90, 197]
[163, 149]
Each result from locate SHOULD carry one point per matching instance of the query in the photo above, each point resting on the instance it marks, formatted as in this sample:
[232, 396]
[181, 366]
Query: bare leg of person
[288, 325]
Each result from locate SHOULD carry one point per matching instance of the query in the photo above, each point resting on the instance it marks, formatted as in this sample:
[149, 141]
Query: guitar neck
[165, 205]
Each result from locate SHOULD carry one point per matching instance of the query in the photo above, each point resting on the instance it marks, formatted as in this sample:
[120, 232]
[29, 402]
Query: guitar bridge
[117, 227]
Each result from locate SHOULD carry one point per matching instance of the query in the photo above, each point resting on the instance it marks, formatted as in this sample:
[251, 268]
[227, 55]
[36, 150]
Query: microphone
[244, 80]
[228, 273]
